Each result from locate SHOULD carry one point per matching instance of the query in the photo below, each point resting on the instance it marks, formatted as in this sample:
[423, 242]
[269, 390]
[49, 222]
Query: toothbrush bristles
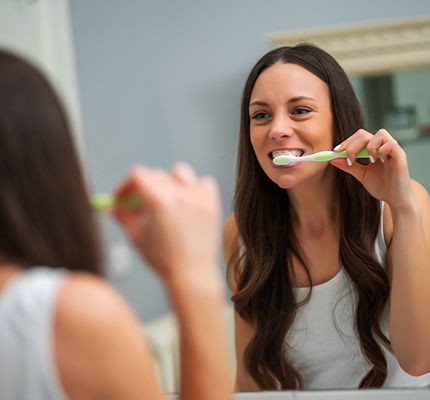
[284, 160]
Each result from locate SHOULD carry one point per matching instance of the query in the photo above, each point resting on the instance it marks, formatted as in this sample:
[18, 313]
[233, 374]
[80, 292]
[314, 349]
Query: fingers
[355, 169]
[154, 187]
[183, 173]
[387, 145]
[178, 210]
[380, 146]
[354, 144]
[146, 184]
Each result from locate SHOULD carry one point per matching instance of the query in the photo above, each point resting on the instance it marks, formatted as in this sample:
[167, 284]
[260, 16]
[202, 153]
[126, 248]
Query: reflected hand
[177, 225]
[386, 177]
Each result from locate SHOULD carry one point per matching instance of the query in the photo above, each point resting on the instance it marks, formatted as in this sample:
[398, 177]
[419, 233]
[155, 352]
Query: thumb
[356, 170]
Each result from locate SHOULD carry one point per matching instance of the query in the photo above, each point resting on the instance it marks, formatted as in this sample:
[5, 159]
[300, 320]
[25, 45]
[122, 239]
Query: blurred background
[158, 81]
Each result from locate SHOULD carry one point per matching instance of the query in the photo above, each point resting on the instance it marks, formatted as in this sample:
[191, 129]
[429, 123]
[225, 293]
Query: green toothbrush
[105, 201]
[287, 159]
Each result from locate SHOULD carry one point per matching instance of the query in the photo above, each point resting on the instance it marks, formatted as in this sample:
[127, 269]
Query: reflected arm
[409, 269]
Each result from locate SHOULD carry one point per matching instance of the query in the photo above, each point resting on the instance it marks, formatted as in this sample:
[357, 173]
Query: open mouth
[294, 152]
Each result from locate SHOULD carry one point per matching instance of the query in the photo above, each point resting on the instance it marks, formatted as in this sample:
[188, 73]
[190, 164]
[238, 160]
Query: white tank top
[27, 361]
[323, 344]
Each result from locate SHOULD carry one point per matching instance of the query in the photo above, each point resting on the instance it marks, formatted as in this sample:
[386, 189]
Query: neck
[315, 205]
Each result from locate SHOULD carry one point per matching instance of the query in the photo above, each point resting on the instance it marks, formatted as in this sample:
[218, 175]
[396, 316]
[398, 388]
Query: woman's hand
[176, 228]
[386, 177]
[177, 225]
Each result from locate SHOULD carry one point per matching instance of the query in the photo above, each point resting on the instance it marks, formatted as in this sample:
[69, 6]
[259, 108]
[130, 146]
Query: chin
[284, 185]
[284, 182]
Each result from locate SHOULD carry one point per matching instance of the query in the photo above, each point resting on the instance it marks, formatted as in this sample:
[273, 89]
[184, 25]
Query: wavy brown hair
[264, 296]
[45, 212]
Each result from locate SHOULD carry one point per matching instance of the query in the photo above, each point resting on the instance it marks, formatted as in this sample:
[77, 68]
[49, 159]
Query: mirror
[394, 88]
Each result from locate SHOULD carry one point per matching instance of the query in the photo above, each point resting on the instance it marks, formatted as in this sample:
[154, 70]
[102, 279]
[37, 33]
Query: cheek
[257, 146]
[255, 141]
[258, 135]
[319, 136]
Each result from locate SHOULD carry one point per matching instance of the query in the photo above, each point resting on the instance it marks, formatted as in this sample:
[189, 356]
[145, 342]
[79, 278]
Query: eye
[260, 115]
[301, 111]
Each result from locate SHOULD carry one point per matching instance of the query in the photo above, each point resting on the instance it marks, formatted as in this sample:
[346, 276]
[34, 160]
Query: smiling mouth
[294, 152]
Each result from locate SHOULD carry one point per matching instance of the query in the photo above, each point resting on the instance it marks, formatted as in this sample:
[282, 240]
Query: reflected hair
[264, 296]
[45, 213]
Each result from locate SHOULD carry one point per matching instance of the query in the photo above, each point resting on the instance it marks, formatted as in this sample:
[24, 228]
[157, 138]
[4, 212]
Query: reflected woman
[329, 263]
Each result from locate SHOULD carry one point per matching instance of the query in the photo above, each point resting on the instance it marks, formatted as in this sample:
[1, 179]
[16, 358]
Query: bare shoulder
[97, 338]
[88, 296]
[421, 194]
[87, 303]
[231, 248]
[423, 200]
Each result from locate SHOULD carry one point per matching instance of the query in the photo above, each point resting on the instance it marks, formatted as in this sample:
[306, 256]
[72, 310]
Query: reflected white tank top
[323, 343]
[27, 361]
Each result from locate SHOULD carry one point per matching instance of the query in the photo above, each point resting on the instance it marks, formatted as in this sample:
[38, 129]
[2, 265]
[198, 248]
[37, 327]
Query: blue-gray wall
[160, 81]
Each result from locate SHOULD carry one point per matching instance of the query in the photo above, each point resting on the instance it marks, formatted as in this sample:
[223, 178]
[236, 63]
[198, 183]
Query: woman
[329, 289]
[64, 333]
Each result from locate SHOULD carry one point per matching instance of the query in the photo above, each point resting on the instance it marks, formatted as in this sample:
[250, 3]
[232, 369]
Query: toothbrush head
[284, 159]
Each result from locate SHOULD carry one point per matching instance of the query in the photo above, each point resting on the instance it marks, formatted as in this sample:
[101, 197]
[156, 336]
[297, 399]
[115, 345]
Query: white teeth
[294, 152]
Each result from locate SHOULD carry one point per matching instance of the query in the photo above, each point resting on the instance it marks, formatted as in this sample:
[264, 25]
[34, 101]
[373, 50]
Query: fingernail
[337, 147]
[372, 160]
[348, 161]
[382, 159]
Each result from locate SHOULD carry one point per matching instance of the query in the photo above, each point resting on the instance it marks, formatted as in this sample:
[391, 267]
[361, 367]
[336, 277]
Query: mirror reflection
[316, 258]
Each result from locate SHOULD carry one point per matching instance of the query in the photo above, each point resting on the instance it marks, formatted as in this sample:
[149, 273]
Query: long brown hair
[45, 212]
[264, 296]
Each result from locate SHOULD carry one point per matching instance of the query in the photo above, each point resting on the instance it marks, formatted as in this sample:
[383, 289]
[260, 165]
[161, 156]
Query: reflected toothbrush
[106, 201]
[321, 156]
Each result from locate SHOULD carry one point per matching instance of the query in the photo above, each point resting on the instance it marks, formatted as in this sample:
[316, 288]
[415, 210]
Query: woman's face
[289, 109]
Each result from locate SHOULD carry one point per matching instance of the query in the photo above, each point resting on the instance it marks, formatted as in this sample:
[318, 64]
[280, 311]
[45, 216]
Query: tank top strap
[380, 245]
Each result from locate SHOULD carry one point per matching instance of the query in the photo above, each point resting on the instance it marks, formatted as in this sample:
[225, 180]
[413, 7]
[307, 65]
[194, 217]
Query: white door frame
[40, 30]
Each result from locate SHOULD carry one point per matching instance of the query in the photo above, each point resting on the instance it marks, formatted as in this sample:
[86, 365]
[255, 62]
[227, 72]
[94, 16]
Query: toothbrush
[287, 159]
[105, 201]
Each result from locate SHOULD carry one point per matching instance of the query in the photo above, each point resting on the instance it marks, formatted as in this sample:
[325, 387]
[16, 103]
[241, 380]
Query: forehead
[287, 80]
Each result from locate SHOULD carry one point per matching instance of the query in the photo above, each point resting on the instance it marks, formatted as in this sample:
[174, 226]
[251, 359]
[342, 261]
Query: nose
[281, 128]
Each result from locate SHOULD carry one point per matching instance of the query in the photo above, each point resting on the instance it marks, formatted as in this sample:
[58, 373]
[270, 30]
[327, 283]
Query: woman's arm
[409, 268]
[243, 331]
[198, 302]
[176, 231]
[387, 178]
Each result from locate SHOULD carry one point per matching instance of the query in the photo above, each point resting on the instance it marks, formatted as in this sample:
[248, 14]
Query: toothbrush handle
[363, 153]
[105, 201]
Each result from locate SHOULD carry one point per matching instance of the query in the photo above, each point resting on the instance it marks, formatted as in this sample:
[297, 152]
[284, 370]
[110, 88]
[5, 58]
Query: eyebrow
[292, 100]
